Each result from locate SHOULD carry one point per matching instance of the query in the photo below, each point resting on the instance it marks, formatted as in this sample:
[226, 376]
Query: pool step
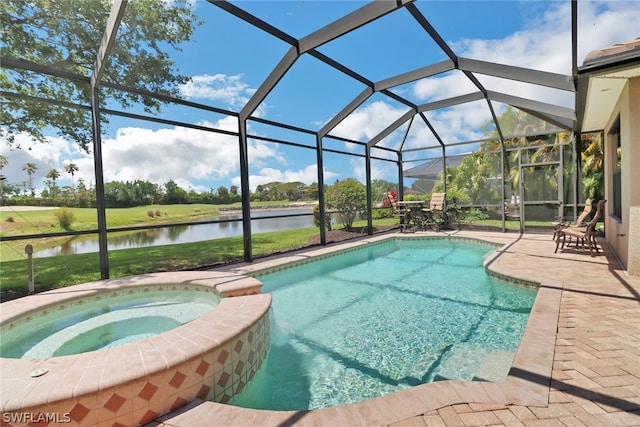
[470, 363]
[495, 367]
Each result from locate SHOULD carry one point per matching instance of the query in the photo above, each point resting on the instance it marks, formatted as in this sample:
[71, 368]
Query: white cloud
[603, 24]
[367, 122]
[185, 155]
[218, 87]
[379, 170]
[192, 158]
[44, 156]
[445, 86]
[545, 44]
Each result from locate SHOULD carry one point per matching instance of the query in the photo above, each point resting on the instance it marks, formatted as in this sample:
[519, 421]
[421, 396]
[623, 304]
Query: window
[616, 152]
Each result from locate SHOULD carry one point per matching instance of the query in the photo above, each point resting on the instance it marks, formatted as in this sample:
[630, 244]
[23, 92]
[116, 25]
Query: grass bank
[65, 270]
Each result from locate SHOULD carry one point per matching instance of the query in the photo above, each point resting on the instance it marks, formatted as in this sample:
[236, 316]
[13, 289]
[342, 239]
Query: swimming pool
[104, 322]
[382, 318]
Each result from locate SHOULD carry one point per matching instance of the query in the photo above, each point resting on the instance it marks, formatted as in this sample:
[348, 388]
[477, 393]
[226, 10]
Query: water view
[184, 233]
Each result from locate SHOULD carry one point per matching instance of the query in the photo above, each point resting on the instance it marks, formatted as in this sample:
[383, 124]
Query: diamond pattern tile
[224, 379]
[252, 372]
[203, 392]
[238, 346]
[79, 412]
[239, 387]
[148, 416]
[148, 391]
[177, 379]
[202, 368]
[239, 367]
[222, 357]
[115, 402]
[179, 402]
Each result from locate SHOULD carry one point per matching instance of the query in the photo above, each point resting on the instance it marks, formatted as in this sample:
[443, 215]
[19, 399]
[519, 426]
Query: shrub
[65, 217]
[316, 218]
[349, 197]
[474, 214]
[381, 213]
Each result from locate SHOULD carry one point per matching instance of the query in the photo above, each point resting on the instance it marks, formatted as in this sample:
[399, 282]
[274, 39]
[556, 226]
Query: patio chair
[580, 222]
[585, 234]
[397, 212]
[435, 214]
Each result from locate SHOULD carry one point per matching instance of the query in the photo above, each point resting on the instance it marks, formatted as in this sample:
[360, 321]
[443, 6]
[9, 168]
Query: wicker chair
[585, 234]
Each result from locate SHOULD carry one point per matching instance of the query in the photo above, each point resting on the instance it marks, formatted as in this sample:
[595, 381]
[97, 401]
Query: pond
[184, 233]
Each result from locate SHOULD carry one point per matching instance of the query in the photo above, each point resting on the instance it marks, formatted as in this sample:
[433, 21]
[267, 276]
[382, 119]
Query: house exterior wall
[633, 263]
[623, 234]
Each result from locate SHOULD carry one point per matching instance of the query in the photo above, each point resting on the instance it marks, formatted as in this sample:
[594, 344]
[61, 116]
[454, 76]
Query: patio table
[413, 215]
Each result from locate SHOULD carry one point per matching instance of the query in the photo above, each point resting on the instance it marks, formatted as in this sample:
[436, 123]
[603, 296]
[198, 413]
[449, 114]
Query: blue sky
[228, 60]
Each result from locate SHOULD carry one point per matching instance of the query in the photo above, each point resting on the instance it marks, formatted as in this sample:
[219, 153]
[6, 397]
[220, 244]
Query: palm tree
[53, 174]
[71, 168]
[31, 169]
[592, 157]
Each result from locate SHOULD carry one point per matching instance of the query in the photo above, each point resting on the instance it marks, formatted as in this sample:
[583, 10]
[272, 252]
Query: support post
[368, 190]
[245, 189]
[100, 199]
[322, 209]
[29, 251]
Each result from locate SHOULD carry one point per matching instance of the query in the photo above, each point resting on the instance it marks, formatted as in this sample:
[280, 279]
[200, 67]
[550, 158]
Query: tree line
[123, 194]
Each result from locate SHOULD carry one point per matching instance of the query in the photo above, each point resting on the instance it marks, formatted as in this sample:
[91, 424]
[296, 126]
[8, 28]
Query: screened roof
[408, 77]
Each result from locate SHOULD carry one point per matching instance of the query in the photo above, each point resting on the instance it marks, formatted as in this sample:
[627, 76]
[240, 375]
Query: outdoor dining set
[418, 214]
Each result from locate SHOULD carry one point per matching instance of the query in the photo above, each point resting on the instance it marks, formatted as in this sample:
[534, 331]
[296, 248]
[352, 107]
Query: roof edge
[618, 55]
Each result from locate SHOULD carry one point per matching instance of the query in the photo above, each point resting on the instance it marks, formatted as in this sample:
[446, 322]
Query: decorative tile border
[513, 280]
[307, 260]
[367, 244]
[34, 314]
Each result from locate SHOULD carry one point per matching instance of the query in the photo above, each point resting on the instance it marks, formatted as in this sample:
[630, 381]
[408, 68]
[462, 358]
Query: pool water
[383, 318]
[107, 323]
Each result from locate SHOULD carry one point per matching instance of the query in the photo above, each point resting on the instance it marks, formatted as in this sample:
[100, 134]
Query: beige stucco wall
[633, 263]
[623, 235]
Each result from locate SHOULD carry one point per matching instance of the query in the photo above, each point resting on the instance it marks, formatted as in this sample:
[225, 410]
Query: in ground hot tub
[141, 374]
[105, 320]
